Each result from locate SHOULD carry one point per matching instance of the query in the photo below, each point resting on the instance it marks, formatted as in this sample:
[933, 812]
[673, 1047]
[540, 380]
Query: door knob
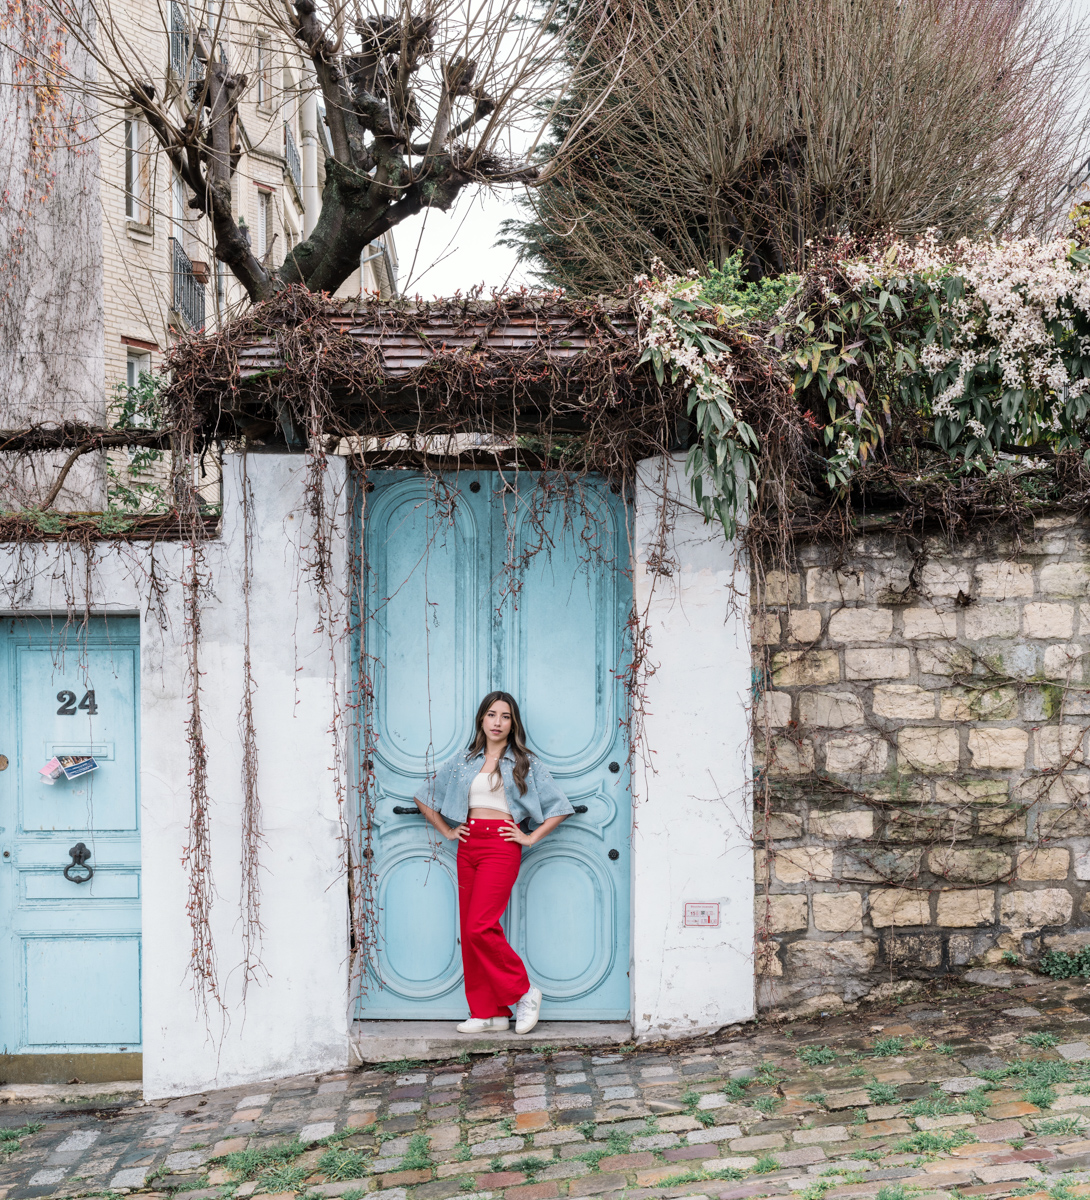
[614, 855]
[3, 762]
[80, 854]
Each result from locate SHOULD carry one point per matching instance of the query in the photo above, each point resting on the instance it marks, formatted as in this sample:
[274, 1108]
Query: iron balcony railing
[187, 295]
[291, 155]
[182, 47]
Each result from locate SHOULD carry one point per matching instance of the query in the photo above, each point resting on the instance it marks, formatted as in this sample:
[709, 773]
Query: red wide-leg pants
[488, 866]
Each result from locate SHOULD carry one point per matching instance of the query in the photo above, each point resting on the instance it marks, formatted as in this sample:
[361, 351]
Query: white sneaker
[528, 1010]
[484, 1025]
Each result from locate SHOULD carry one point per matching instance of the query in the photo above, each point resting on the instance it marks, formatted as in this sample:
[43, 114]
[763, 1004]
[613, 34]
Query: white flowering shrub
[677, 329]
[951, 359]
[983, 348]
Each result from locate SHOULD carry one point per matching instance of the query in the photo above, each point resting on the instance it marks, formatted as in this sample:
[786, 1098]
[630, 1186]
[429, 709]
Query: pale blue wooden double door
[473, 587]
[69, 951]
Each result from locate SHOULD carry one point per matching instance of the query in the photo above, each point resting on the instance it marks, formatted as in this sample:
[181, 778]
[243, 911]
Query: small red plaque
[701, 913]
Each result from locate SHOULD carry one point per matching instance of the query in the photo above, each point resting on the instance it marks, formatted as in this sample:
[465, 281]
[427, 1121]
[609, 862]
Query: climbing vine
[895, 386]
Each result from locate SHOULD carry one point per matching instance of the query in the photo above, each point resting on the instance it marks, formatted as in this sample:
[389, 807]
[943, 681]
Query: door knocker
[80, 854]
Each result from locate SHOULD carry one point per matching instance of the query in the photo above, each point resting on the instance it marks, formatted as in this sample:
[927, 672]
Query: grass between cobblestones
[945, 1098]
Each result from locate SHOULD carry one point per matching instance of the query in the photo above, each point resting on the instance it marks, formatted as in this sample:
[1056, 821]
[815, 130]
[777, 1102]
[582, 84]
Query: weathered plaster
[691, 837]
[295, 1015]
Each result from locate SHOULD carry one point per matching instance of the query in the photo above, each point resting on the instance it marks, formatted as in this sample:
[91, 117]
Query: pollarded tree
[420, 103]
[760, 125]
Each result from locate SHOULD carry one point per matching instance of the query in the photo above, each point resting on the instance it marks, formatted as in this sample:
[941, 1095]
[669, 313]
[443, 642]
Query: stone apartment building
[160, 275]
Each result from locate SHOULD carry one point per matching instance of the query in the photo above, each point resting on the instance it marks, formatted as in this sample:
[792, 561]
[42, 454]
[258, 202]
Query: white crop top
[482, 793]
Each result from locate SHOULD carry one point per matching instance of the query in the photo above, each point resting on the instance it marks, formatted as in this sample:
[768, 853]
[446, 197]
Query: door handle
[80, 854]
[580, 808]
[401, 811]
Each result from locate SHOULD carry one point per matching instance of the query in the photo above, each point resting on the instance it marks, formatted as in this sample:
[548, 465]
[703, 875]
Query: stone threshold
[391, 1041]
[118, 1091]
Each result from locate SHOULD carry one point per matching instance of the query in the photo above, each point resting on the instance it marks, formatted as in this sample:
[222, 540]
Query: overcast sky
[441, 253]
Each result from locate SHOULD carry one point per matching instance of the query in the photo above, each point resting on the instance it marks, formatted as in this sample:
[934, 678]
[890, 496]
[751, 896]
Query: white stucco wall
[691, 813]
[295, 1016]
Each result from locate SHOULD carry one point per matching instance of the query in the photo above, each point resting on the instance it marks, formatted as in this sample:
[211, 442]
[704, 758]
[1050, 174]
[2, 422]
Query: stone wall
[921, 721]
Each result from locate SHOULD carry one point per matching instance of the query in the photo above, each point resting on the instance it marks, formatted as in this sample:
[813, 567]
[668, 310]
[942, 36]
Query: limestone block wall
[923, 798]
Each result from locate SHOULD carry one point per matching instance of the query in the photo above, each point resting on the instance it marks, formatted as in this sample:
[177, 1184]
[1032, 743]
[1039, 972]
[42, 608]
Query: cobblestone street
[969, 1092]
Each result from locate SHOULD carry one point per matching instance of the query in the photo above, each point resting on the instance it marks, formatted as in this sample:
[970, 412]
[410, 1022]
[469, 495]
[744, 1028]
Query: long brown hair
[516, 739]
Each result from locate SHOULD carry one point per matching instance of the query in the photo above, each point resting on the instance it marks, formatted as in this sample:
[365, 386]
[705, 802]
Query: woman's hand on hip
[459, 833]
[511, 833]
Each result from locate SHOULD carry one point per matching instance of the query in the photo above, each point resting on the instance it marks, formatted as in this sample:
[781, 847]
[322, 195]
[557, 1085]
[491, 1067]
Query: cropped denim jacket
[448, 790]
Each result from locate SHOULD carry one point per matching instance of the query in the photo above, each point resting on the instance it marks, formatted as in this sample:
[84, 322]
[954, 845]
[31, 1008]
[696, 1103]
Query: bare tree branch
[759, 125]
[421, 103]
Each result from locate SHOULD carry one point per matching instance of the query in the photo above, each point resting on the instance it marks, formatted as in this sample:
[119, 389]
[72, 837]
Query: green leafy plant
[935, 1141]
[766, 1104]
[283, 1178]
[680, 344]
[199, 1183]
[1040, 1040]
[12, 1136]
[818, 1188]
[593, 1157]
[417, 1157]
[250, 1164]
[892, 1191]
[1040, 1094]
[1059, 1125]
[764, 1165]
[882, 1093]
[334, 1139]
[769, 1074]
[735, 1088]
[496, 1164]
[403, 1066]
[698, 1176]
[588, 1129]
[939, 1104]
[137, 478]
[530, 1165]
[691, 1100]
[1061, 964]
[888, 1047]
[462, 1153]
[920, 1043]
[507, 1125]
[1010, 957]
[338, 1165]
[467, 1185]
[869, 1155]
[742, 300]
[946, 1049]
[857, 1072]
[815, 1098]
[817, 1056]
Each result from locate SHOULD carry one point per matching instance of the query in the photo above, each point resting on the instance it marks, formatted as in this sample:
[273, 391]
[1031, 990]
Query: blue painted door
[486, 590]
[69, 952]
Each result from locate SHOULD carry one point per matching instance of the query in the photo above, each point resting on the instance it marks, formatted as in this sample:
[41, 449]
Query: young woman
[487, 792]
